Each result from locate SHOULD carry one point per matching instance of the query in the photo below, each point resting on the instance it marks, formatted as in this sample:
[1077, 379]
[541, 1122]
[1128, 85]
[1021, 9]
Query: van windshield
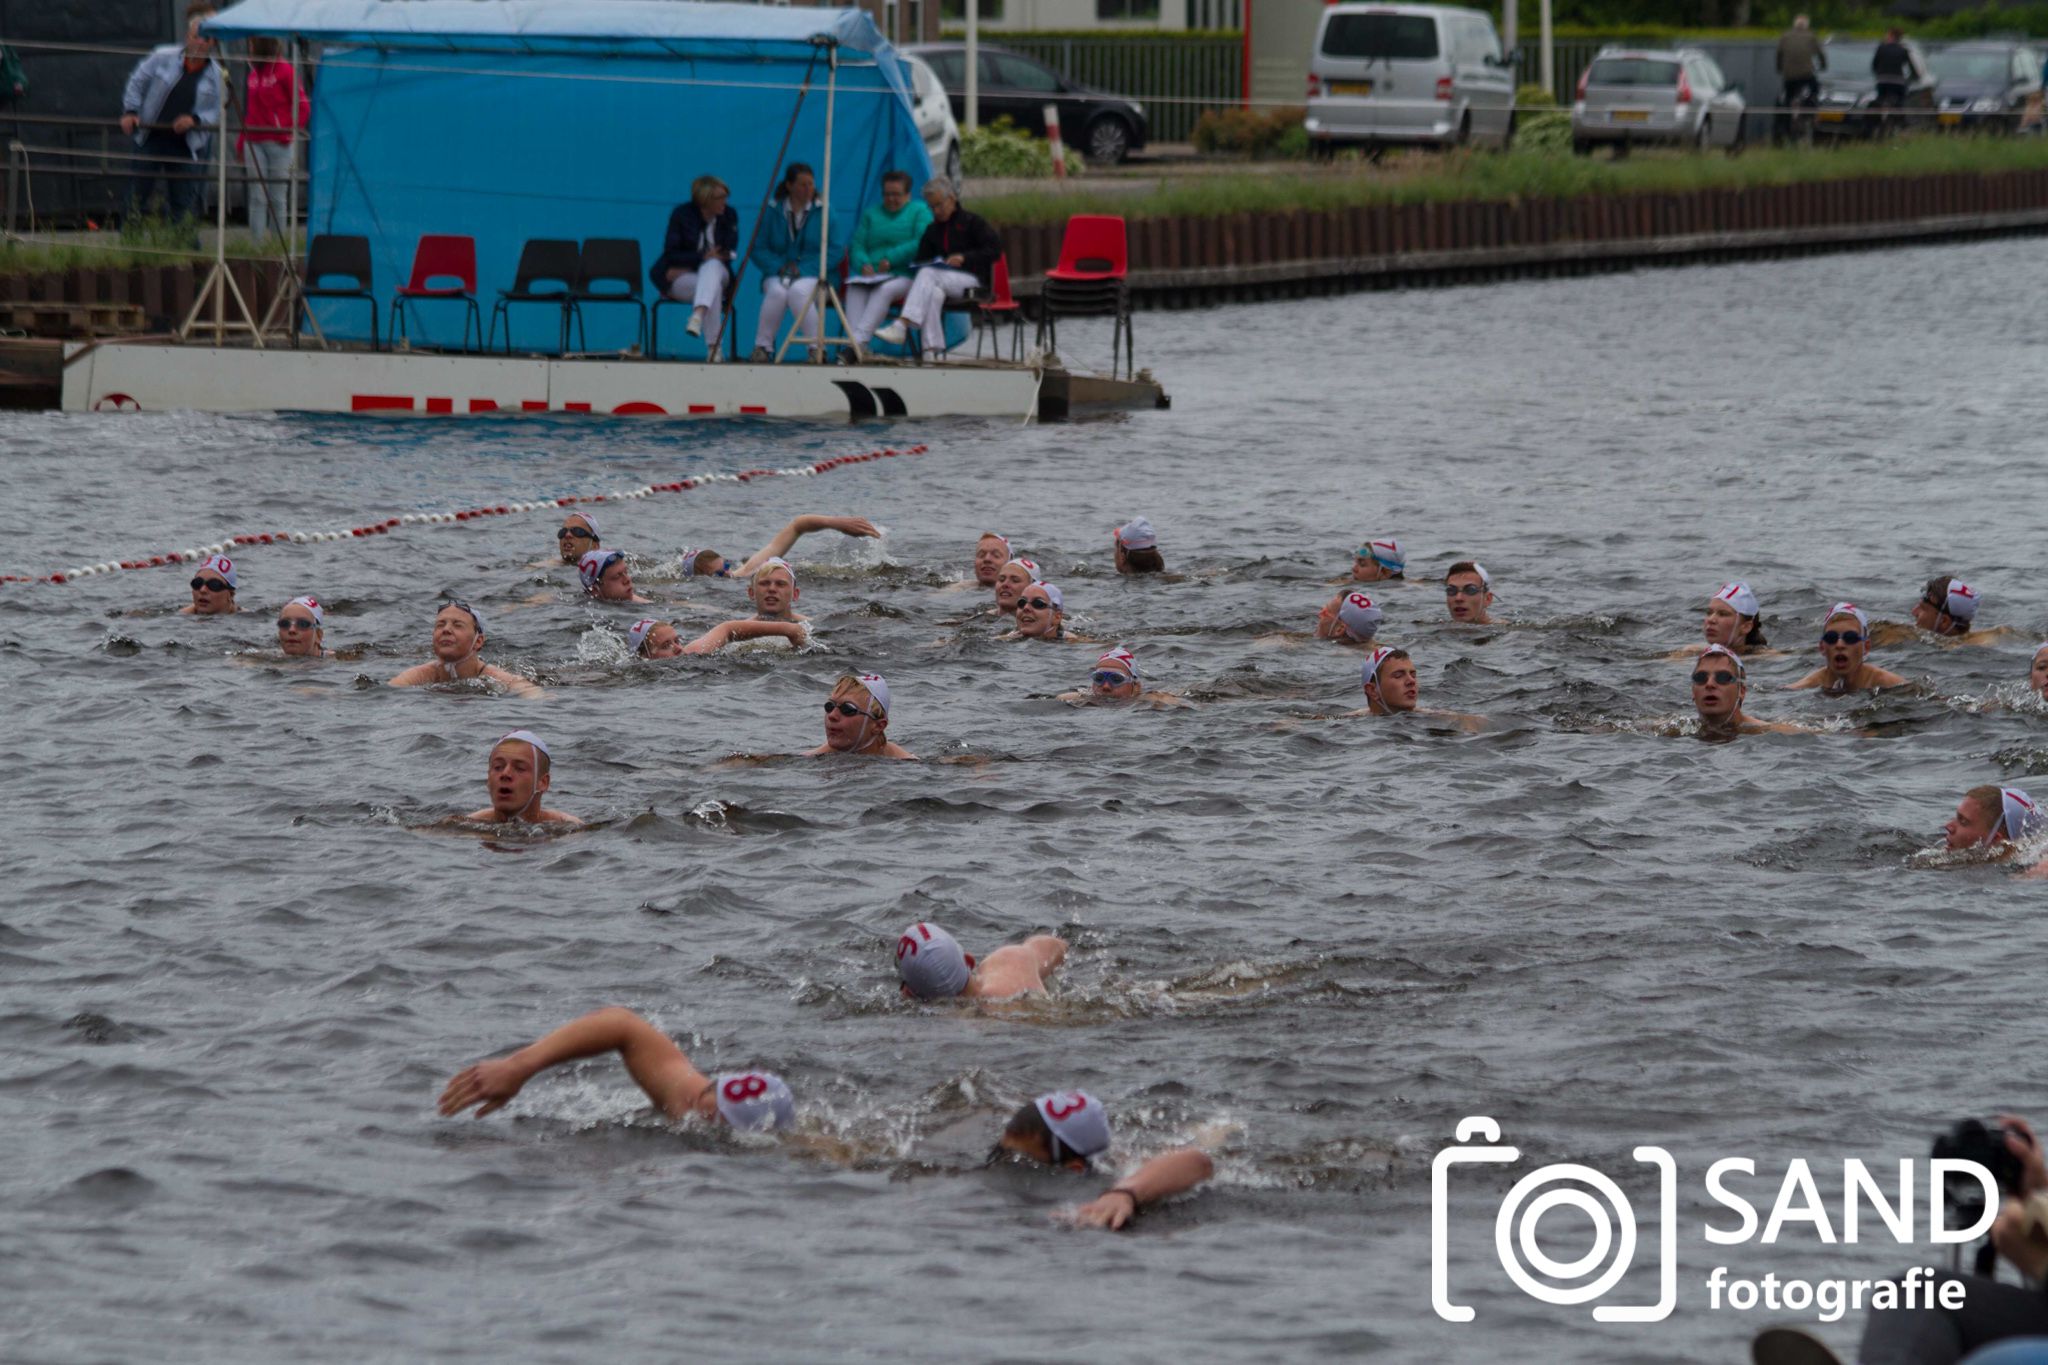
[1632, 71]
[1381, 37]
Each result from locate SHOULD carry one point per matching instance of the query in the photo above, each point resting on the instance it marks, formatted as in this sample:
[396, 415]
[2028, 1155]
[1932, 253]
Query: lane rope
[244, 540]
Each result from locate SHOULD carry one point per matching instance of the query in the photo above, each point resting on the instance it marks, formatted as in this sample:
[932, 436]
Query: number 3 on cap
[740, 1089]
[1056, 1111]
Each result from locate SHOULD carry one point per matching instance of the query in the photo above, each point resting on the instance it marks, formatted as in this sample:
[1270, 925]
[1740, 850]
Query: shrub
[1003, 151]
[1547, 132]
[1248, 132]
[1533, 96]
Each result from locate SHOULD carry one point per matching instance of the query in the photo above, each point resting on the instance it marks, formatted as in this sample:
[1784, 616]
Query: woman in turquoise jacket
[884, 251]
[786, 253]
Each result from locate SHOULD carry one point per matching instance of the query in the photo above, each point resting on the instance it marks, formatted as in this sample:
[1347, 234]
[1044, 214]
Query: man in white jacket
[172, 101]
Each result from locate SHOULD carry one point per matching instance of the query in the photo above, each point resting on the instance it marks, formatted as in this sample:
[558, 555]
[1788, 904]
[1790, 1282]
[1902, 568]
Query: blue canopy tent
[506, 120]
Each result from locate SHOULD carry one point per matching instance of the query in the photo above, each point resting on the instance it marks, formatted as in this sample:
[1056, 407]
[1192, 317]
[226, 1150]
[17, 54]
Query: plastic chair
[1090, 281]
[607, 261]
[543, 260]
[1095, 246]
[1000, 307]
[726, 329]
[441, 257]
[328, 256]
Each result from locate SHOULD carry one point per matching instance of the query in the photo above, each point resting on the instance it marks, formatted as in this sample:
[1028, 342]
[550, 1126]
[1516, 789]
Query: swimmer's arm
[1162, 1177]
[2038, 872]
[512, 682]
[797, 530]
[1884, 677]
[651, 1057]
[1813, 679]
[419, 675]
[1049, 949]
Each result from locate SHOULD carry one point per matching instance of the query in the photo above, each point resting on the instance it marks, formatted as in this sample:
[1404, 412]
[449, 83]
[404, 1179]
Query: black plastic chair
[613, 261]
[543, 260]
[328, 256]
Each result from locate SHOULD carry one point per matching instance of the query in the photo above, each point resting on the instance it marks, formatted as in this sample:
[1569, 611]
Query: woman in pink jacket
[265, 143]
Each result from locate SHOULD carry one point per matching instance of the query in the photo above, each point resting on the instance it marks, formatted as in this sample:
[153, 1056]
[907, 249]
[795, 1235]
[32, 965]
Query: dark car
[1106, 127]
[1985, 85]
[1848, 90]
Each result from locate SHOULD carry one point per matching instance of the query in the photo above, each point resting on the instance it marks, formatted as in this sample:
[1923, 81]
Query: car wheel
[1464, 137]
[954, 171]
[1582, 147]
[1109, 141]
[1741, 137]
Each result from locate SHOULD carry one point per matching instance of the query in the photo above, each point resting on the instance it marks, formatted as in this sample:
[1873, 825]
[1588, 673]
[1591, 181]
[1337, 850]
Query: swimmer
[1115, 682]
[1393, 685]
[1067, 1130]
[1379, 561]
[1947, 606]
[1349, 618]
[1137, 548]
[991, 552]
[711, 564]
[1844, 643]
[299, 629]
[751, 1101]
[519, 775]
[1041, 613]
[458, 654]
[1731, 619]
[932, 966]
[1468, 592]
[576, 536]
[1995, 818]
[213, 588]
[2037, 675]
[1719, 684]
[773, 592]
[652, 639]
[607, 577]
[857, 719]
[1011, 580]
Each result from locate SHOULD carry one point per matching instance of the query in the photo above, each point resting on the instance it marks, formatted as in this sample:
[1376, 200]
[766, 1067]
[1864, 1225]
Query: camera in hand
[1983, 1143]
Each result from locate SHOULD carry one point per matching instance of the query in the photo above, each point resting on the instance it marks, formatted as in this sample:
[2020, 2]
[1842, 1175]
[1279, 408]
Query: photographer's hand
[2021, 1142]
[2010, 1235]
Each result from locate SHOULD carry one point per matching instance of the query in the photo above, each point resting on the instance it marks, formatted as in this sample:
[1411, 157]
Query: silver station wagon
[1630, 95]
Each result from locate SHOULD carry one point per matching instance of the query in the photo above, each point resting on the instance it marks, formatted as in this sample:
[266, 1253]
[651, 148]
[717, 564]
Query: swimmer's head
[1844, 639]
[1116, 676]
[1390, 681]
[931, 963]
[2037, 676]
[1719, 683]
[1378, 559]
[991, 552]
[857, 714]
[213, 587]
[652, 639]
[1137, 547]
[606, 575]
[458, 632]
[518, 774]
[1358, 617]
[1731, 619]
[576, 536]
[1468, 591]
[1979, 818]
[773, 589]
[299, 628]
[754, 1101]
[1947, 605]
[1067, 1129]
[705, 564]
[1011, 580]
[1040, 609]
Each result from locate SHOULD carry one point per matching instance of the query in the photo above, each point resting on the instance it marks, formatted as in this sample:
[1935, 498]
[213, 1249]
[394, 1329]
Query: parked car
[1675, 95]
[1984, 85]
[1106, 127]
[934, 115]
[1428, 75]
[1847, 90]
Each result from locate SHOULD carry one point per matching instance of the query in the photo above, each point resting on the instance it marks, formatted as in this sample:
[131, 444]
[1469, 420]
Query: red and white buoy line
[377, 528]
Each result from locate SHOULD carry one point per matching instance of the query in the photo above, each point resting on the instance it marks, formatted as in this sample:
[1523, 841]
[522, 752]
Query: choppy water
[235, 972]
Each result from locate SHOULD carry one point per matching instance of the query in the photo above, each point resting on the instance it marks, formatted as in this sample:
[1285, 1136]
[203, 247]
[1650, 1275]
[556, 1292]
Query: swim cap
[993, 535]
[593, 564]
[931, 962]
[1137, 534]
[1359, 614]
[1369, 671]
[1078, 1121]
[1847, 609]
[1726, 653]
[776, 562]
[1119, 656]
[311, 605]
[2022, 816]
[1484, 576]
[754, 1101]
[877, 688]
[525, 737]
[219, 564]
[1738, 596]
[463, 606]
[1029, 566]
[1387, 554]
[588, 520]
[637, 633]
[1962, 600]
[689, 561]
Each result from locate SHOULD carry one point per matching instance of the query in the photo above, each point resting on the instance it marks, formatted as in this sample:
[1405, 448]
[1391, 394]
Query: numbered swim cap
[877, 688]
[931, 962]
[593, 564]
[2022, 816]
[1848, 609]
[526, 737]
[1078, 1121]
[1369, 671]
[637, 633]
[1119, 658]
[1385, 553]
[1029, 566]
[587, 520]
[754, 1101]
[1962, 600]
[1052, 595]
[1137, 534]
[221, 565]
[1730, 655]
[312, 606]
[1359, 615]
[1738, 596]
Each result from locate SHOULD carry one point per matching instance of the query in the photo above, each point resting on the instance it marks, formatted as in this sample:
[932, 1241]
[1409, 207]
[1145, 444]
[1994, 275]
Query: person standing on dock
[1801, 59]
[695, 265]
[171, 104]
[957, 253]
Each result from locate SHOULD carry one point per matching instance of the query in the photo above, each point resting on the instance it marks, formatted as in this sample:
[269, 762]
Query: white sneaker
[714, 354]
[696, 323]
[895, 333]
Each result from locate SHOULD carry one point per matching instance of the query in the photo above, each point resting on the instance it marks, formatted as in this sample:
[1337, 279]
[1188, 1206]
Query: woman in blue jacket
[786, 253]
[884, 250]
[695, 265]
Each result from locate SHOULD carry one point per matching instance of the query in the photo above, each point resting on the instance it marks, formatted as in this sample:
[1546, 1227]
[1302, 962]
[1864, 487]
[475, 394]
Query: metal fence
[1176, 79]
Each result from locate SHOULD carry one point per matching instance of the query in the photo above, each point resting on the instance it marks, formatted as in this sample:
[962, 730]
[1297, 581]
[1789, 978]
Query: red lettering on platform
[441, 405]
[530, 405]
[702, 407]
[639, 410]
[380, 402]
[753, 412]
[575, 407]
[483, 405]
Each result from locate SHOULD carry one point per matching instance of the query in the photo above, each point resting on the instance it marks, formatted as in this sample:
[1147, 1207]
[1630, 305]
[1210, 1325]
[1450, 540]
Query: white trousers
[925, 309]
[704, 287]
[868, 305]
[779, 296]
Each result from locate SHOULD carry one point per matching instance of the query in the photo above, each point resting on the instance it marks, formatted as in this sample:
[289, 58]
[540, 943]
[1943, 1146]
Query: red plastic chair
[441, 257]
[997, 308]
[1094, 247]
[1090, 281]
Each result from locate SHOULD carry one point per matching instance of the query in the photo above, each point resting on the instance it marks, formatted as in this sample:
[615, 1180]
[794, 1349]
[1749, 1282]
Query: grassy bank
[1426, 178]
[150, 245]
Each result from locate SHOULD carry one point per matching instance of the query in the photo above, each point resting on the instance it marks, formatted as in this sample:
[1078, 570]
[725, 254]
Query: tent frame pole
[219, 281]
[825, 297]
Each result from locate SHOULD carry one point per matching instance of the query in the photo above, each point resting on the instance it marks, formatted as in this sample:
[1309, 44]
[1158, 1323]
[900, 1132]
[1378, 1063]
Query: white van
[1427, 75]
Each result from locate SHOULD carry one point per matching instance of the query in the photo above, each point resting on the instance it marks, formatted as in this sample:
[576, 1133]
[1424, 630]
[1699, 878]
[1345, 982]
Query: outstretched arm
[725, 632]
[1049, 949]
[651, 1057]
[1160, 1178]
[798, 529]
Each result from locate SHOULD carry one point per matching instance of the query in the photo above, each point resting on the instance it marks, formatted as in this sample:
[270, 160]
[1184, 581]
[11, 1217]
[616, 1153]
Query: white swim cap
[1078, 1121]
[754, 1101]
[1710, 651]
[588, 520]
[1962, 600]
[593, 564]
[1847, 609]
[525, 737]
[777, 562]
[219, 564]
[877, 688]
[464, 607]
[311, 605]
[1052, 595]
[931, 962]
[1116, 657]
[994, 535]
[2022, 816]
[1029, 566]
[637, 633]
[1360, 615]
[1137, 534]
[1738, 596]
[1369, 671]
[1484, 576]
[1386, 553]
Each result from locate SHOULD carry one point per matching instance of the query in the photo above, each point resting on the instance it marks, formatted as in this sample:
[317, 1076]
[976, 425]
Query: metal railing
[1176, 79]
[71, 171]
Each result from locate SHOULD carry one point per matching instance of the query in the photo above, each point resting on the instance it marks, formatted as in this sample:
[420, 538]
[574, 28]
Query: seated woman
[965, 250]
[786, 253]
[884, 250]
[695, 265]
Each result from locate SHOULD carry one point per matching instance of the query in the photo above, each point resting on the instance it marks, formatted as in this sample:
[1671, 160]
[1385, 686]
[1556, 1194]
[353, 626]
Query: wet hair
[1992, 801]
[1147, 560]
[1753, 638]
[703, 184]
[796, 168]
[1029, 1125]
[897, 178]
[1935, 594]
[1464, 566]
[704, 560]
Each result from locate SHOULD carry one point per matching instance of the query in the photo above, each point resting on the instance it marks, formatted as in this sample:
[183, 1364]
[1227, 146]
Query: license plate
[1829, 116]
[1629, 115]
[1948, 120]
[1351, 87]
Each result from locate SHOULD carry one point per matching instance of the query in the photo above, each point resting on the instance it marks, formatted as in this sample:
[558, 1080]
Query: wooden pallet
[72, 319]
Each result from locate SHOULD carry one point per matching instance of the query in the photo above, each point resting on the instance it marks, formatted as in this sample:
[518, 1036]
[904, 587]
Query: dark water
[236, 971]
